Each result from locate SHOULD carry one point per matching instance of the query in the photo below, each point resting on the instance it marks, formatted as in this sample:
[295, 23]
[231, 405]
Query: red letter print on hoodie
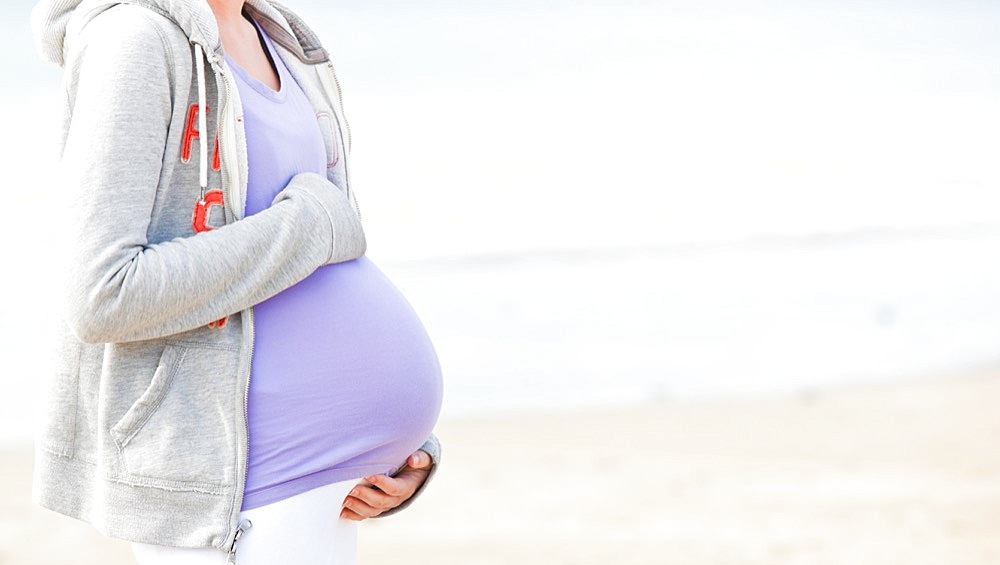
[210, 198]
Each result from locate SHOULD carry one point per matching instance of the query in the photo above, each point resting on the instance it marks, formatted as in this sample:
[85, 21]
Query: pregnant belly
[344, 383]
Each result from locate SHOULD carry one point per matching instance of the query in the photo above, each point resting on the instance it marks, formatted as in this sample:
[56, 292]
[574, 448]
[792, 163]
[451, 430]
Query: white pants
[305, 529]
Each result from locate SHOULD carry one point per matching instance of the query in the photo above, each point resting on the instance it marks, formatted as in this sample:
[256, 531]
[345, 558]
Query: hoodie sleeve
[120, 286]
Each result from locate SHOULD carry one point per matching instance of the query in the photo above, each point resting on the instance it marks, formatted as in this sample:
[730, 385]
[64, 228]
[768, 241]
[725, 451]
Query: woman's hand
[381, 493]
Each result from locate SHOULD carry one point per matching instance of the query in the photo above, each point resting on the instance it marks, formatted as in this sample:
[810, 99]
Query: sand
[904, 473]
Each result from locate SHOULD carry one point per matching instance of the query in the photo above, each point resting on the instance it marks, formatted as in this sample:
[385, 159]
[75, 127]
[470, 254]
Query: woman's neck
[227, 12]
[241, 42]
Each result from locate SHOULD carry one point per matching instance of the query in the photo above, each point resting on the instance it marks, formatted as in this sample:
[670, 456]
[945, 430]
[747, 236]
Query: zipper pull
[241, 529]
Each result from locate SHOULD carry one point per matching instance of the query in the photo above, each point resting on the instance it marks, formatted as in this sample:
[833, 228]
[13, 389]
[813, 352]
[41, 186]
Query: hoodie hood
[48, 24]
[55, 22]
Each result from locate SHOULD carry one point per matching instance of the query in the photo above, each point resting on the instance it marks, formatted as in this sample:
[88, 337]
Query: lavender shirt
[345, 382]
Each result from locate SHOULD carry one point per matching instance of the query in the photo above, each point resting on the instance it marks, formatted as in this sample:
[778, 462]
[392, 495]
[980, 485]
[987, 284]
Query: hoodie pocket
[180, 433]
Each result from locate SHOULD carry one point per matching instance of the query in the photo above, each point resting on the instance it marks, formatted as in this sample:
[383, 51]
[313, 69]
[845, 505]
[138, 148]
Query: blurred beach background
[711, 282]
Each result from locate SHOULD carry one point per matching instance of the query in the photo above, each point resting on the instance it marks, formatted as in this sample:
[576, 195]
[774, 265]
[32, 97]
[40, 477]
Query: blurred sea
[597, 202]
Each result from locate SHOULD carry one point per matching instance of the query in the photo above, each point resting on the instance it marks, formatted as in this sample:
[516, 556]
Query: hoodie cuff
[348, 236]
[433, 448]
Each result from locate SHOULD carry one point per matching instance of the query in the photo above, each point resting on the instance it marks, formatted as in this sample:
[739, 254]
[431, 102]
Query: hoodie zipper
[334, 99]
[248, 324]
[337, 103]
[246, 426]
[225, 149]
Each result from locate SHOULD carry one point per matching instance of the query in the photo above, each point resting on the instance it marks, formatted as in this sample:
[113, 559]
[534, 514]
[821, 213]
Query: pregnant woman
[236, 380]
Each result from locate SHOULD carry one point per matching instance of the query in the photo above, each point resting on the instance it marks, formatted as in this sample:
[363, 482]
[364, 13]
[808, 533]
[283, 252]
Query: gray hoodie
[144, 433]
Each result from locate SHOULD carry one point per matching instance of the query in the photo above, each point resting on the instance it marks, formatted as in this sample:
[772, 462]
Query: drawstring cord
[199, 62]
[199, 219]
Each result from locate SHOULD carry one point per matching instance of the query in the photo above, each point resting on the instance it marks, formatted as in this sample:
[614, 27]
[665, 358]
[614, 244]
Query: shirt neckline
[264, 90]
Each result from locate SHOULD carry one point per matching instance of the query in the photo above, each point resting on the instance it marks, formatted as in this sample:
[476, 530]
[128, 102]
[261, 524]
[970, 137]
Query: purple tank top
[345, 382]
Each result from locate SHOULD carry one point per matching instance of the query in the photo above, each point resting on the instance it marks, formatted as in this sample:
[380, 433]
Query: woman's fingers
[419, 460]
[394, 487]
[379, 493]
[373, 497]
[348, 514]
